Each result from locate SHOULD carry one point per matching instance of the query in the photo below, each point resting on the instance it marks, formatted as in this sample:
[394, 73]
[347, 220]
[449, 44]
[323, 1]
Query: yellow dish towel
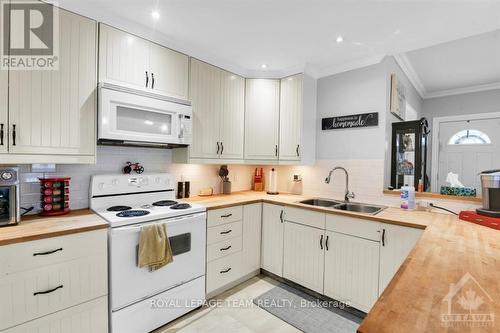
[154, 247]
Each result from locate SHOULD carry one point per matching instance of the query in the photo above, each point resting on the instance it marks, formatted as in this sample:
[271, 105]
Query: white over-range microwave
[127, 116]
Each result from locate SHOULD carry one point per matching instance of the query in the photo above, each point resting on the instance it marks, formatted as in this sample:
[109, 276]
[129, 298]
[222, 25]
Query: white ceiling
[295, 35]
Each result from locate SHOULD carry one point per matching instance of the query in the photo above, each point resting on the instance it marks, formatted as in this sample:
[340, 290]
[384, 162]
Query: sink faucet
[348, 195]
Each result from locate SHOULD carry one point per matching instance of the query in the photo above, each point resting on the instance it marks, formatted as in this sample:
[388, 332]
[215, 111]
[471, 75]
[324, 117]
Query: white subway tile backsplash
[366, 177]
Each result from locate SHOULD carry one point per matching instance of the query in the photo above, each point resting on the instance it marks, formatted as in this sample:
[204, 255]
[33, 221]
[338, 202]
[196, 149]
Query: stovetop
[131, 199]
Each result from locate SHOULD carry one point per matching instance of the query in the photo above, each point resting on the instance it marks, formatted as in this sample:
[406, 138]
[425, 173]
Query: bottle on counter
[408, 197]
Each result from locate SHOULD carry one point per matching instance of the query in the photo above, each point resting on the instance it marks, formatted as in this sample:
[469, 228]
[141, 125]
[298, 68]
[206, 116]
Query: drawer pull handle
[48, 252]
[228, 215]
[225, 271]
[47, 291]
[226, 248]
[225, 232]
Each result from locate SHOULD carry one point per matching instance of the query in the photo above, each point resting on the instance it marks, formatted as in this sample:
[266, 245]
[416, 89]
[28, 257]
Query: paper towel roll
[272, 187]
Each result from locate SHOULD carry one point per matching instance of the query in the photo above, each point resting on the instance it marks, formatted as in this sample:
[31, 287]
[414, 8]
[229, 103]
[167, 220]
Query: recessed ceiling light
[339, 39]
[263, 66]
[155, 14]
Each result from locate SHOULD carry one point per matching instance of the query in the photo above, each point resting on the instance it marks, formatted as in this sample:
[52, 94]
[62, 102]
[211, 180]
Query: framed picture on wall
[398, 98]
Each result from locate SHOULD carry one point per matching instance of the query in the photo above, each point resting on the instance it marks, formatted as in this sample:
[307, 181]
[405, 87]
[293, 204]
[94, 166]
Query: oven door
[9, 199]
[125, 116]
[129, 283]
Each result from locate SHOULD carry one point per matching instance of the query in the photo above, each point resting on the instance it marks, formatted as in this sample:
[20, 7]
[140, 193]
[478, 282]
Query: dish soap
[408, 197]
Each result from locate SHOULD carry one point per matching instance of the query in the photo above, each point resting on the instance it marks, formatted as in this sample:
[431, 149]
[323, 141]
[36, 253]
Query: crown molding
[464, 90]
[407, 68]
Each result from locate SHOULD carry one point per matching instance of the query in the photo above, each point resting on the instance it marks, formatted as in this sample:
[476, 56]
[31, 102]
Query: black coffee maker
[490, 184]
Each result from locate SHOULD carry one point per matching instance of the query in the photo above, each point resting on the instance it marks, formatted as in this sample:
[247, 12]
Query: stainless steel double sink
[345, 206]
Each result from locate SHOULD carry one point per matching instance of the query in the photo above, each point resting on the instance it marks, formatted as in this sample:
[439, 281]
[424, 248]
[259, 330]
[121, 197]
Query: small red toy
[137, 167]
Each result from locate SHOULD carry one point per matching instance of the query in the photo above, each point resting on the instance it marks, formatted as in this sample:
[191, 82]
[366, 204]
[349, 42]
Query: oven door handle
[170, 220]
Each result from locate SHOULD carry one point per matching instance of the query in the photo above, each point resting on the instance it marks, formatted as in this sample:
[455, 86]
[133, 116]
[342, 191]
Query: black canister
[180, 190]
[187, 190]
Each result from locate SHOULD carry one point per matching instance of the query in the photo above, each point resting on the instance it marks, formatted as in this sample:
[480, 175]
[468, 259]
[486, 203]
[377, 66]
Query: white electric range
[142, 300]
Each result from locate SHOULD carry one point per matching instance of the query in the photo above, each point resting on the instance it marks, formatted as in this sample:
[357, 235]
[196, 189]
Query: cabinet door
[4, 84]
[303, 255]
[290, 118]
[272, 239]
[233, 116]
[351, 270]
[261, 119]
[123, 58]
[54, 111]
[397, 242]
[252, 225]
[170, 70]
[205, 87]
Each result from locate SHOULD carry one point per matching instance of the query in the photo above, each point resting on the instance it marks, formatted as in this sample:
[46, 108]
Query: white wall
[454, 105]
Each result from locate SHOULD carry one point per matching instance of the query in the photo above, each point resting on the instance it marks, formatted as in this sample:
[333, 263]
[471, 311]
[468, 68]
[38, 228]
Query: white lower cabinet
[55, 282]
[351, 270]
[233, 245]
[396, 244]
[303, 259]
[252, 228]
[85, 318]
[272, 238]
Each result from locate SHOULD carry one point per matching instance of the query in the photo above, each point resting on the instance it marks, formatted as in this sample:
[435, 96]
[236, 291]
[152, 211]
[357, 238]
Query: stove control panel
[120, 184]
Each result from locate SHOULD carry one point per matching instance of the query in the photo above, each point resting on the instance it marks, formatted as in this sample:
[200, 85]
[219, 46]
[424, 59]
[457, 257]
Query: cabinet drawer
[40, 253]
[85, 318]
[353, 226]
[224, 215]
[224, 248]
[223, 232]
[35, 293]
[305, 217]
[223, 271]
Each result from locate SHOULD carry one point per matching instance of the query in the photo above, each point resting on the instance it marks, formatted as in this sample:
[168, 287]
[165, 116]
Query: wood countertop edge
[35, 227]
[375, 218]
[50, 234]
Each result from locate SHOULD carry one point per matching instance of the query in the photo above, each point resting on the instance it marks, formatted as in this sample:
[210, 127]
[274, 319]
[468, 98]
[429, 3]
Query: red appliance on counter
[55, 195]
[471, 216]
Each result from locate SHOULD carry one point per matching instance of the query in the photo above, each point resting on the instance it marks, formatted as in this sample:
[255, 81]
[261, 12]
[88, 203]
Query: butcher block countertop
[450, 251]
[33, 227]
[389, 215]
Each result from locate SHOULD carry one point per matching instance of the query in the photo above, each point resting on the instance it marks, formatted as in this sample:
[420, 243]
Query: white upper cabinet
[218, 99]
[232, 116]
[4, 83]
[205, 87]
[291, 106]
[52, 112]
[123, 58]
[169, 71]
[262, 107]
[131, 60]
[396, 244]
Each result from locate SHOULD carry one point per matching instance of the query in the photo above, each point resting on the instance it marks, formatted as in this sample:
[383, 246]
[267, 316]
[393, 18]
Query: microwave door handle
[181, 121]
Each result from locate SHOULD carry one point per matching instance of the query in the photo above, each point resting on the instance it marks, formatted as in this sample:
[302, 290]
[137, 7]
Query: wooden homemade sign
[351, 121]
